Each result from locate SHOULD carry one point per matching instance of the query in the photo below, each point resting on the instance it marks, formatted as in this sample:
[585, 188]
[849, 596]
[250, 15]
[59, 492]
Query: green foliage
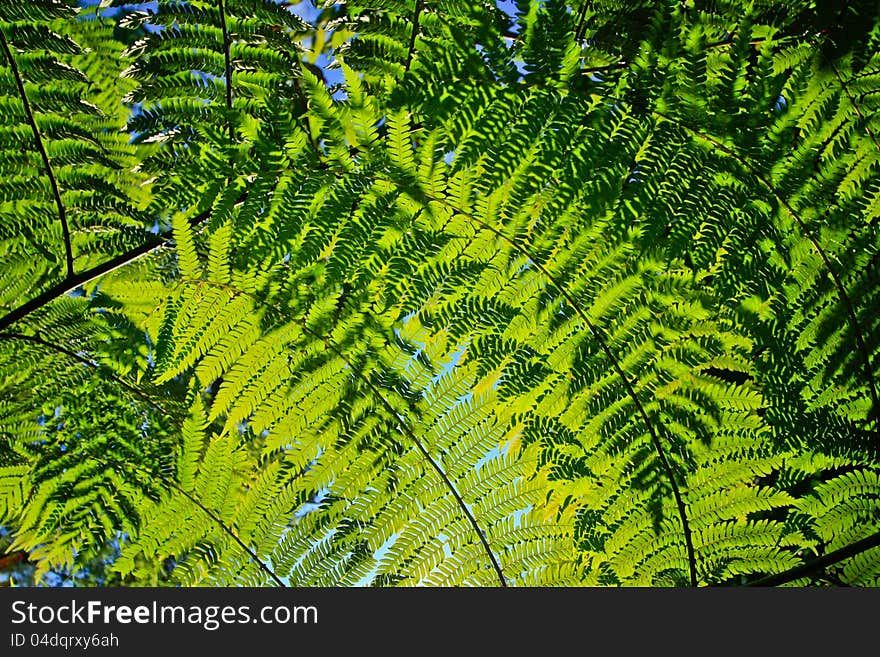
[419, 293]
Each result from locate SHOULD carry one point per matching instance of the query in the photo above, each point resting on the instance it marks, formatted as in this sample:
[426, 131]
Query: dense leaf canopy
[440, 292]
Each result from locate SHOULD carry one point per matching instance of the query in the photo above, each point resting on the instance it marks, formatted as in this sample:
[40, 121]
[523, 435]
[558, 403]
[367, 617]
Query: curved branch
[402, 424]
[38, 139]
[580, 30]
[85, 361]
[415, 33]
[599, 334]
[72, 282]
[213, 516]
[832, 272]
[855, 105]
[227, 58]
[819, 564]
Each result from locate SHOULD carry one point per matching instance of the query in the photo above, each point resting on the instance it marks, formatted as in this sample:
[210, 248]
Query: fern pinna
[441, 293]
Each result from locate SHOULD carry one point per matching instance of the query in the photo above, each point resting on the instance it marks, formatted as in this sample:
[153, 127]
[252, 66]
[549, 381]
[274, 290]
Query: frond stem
[72, 282]
[855, 105]
[832, 272]
[213, 516]
[401, 423]
[227, 529]
[227, 58]
[41, 148]
[420, 446]
[581, 29]
[34, 339]
[415, 33]
[598, 333]
[820, 563]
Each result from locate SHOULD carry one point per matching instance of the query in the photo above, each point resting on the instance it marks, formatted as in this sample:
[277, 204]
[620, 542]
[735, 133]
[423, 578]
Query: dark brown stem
[861, 346]
[581, 28]
[38, 140]
[598, 333]
[819, 564]
[415, 33]
[228, 530]
[72, 282]
[85, 361]
[481, 535]
[227, 56]
[856, 107]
